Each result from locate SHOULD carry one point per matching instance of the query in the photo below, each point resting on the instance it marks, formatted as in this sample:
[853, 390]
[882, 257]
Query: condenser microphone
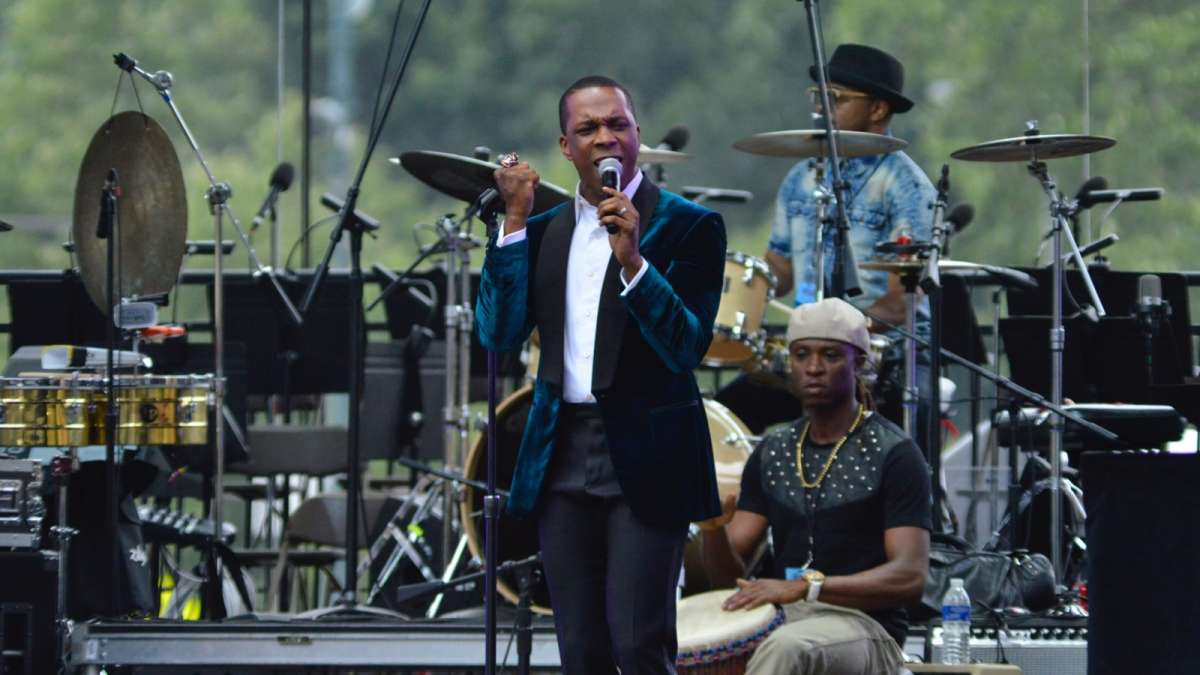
[610, 177]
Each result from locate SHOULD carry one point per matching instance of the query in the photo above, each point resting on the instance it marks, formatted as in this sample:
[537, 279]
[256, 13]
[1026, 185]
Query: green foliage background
[490, 72]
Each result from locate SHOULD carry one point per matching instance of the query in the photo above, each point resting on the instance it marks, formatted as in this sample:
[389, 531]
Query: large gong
[151, 209]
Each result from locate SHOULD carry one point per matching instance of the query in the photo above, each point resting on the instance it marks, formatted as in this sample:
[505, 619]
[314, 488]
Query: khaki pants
[824, 639]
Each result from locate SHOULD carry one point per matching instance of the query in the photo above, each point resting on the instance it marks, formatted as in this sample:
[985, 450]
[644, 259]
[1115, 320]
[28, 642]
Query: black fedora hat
[870, 70]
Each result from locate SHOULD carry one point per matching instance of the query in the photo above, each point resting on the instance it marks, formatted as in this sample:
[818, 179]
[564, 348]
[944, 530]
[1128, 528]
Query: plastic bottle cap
[956, 583]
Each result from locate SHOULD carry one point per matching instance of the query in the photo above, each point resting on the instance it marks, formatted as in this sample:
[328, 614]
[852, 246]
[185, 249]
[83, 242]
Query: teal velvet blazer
[647, 345]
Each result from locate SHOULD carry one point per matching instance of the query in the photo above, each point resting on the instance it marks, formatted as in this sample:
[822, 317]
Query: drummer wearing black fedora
[888, 196]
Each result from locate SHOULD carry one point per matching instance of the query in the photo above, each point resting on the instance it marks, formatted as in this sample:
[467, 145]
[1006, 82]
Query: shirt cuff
[636, 278]
[511, 238]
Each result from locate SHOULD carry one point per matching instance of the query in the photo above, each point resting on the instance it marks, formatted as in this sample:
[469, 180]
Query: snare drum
[737, 331]
[46, 411]
[713, 641]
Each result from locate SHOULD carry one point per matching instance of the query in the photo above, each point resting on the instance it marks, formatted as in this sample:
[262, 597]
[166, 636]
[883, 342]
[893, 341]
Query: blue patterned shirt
[887, 195]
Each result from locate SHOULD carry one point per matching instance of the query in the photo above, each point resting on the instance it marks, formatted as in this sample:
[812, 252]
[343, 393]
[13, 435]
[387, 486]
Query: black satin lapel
[612, 314]
[552, 305]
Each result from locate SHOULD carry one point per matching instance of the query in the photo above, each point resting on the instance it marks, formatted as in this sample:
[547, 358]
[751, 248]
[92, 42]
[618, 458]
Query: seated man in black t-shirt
[847, 499]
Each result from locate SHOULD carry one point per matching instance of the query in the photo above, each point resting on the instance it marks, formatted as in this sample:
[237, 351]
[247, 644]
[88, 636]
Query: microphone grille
[1150, 289]
[283, 175]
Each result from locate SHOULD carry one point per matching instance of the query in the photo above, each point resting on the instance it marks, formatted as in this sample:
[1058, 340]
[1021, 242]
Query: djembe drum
[713, 641]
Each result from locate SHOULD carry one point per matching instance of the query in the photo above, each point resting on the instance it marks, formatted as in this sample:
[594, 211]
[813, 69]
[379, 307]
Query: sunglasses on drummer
[836, 96]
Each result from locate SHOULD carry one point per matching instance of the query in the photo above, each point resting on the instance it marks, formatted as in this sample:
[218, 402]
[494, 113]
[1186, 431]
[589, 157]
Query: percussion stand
[61, 469]
[845, 271]
[1060, 209]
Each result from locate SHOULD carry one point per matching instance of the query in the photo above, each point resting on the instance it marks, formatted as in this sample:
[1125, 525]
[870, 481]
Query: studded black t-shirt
[878, 481]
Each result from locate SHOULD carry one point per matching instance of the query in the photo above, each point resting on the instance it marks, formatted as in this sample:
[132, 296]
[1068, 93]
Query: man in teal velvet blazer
[616, 458]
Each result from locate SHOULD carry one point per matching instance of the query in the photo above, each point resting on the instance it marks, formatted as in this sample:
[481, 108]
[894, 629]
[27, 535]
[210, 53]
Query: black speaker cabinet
[28, 592]
[1143, 559]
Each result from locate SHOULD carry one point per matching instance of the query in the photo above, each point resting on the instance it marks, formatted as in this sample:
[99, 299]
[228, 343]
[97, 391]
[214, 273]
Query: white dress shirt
[587, 262]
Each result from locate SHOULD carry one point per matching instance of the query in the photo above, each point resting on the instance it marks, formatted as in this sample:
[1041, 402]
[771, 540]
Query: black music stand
[1102, 362]
[53, 311]
[1119, 291]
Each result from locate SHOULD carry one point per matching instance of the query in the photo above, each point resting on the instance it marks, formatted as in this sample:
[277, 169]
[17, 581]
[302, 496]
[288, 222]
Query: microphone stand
[348, 223]
[107, 229]
[845, 271]
[931, 283]
[217, 195]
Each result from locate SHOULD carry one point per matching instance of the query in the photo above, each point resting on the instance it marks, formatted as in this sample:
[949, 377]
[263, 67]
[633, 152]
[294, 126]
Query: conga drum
[713, 641]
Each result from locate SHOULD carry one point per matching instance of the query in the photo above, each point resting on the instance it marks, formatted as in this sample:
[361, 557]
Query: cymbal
[151, 212]
[1004, 276]
[1034, 147]
[649, 155]
[466, 178]
[801, 143]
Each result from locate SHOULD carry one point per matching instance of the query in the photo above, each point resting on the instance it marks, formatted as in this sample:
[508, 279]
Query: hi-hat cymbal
[649, 155]
[1004, 276]
[802, 143]
[1034, 147]
[466, 178]
[151, 211]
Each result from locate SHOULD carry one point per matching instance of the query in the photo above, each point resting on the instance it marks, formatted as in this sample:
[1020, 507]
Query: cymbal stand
[824, 198]
[911, 393]
[845, 271]
[1060, 210]
[460, 319]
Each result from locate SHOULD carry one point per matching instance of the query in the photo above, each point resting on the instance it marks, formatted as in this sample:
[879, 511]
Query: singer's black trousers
[612, 577]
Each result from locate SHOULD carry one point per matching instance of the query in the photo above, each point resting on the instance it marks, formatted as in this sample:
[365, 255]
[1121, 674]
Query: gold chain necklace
[832, 455]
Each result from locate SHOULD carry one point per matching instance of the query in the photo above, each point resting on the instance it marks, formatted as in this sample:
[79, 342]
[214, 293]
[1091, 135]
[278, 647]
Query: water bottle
[956, 625]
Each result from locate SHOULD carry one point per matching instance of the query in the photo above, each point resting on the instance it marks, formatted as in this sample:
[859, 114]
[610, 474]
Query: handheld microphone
[281, 180]
[675, 138]
[610, 177]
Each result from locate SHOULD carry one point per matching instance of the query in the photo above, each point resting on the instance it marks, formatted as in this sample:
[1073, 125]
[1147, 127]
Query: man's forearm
[721, 563]
[892, 584]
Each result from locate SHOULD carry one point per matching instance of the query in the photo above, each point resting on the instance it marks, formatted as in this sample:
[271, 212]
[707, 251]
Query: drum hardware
[701, 195]
[1034, 147]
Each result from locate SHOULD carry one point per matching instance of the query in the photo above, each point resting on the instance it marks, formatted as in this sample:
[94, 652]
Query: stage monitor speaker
[29, 588]
[1143, 555]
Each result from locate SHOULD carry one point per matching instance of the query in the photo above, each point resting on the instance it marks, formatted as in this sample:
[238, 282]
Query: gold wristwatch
[815, 580]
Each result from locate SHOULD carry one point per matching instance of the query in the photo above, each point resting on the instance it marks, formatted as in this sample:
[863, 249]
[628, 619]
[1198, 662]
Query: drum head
[518, 538]
[702, 624]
